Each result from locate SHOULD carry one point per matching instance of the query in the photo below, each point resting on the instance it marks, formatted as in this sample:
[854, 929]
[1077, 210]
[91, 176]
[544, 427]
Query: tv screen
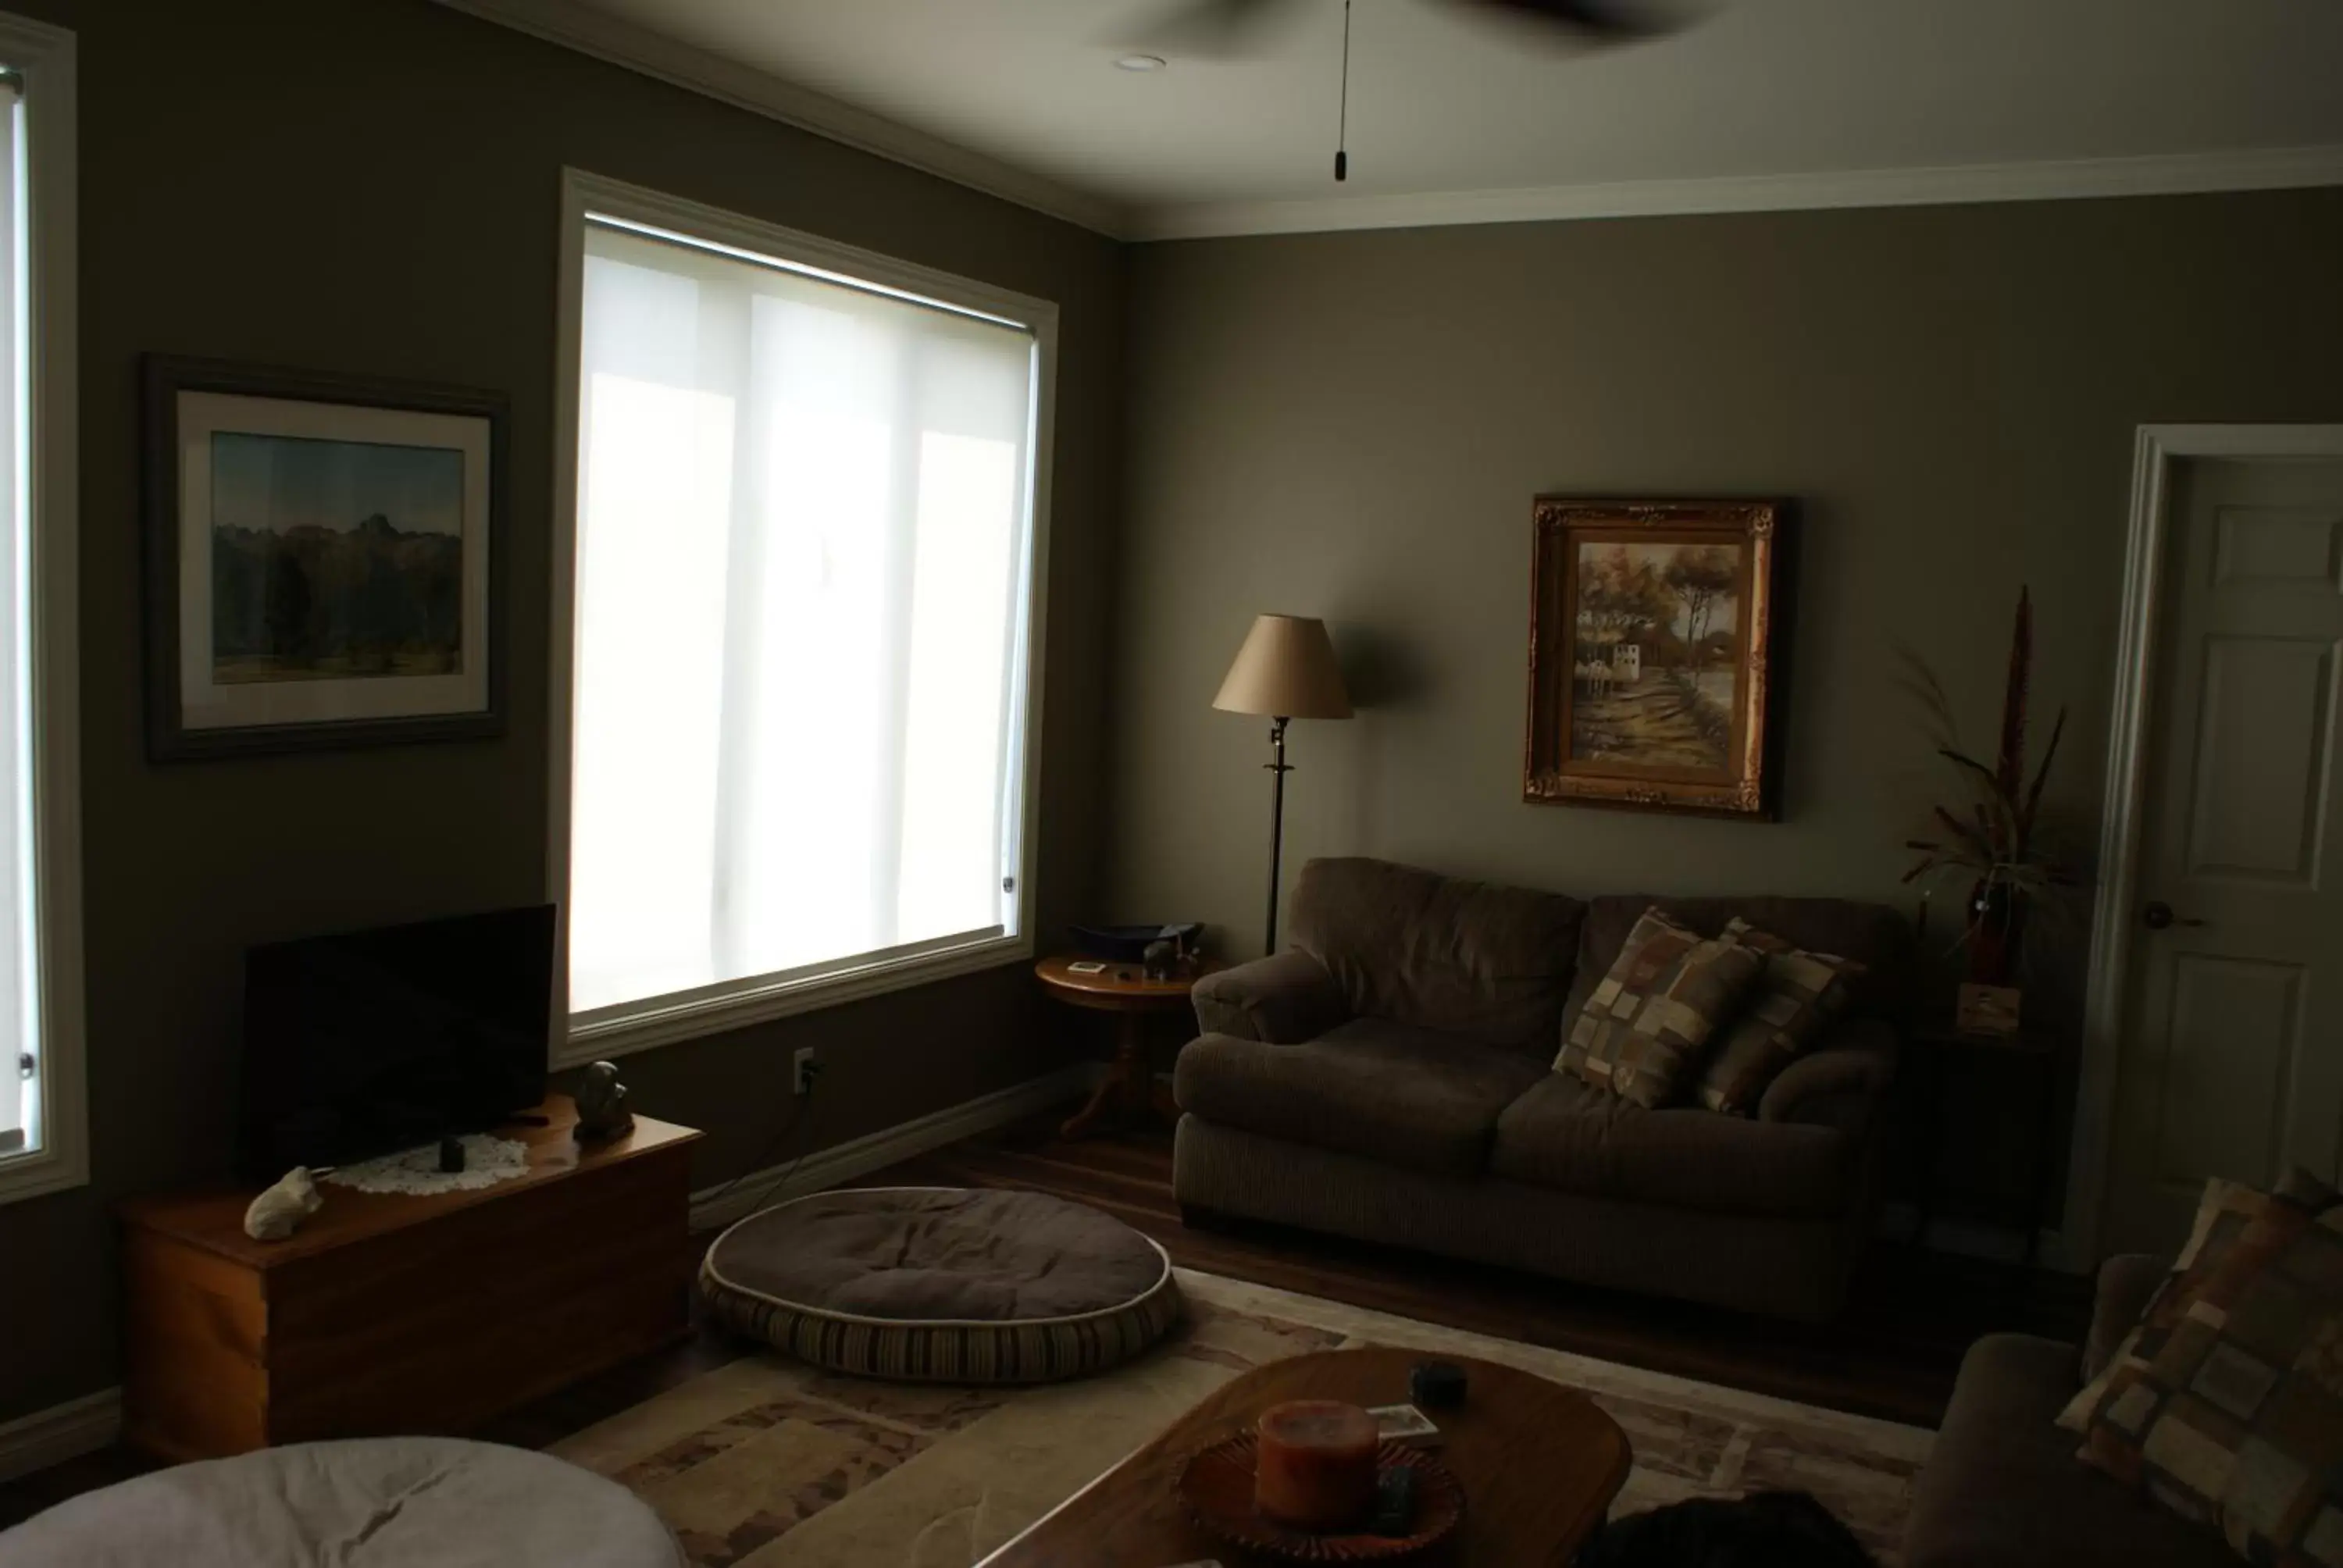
[373, 1042]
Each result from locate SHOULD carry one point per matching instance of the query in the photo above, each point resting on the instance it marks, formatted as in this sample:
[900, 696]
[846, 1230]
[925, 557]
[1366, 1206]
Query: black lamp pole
[1278, 770]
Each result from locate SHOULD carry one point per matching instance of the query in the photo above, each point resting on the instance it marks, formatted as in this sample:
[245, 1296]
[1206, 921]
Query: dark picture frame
[1655, 638]
[359, 524]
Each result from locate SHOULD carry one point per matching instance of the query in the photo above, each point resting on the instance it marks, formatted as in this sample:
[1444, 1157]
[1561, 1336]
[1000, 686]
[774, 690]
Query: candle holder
[1216, 1489]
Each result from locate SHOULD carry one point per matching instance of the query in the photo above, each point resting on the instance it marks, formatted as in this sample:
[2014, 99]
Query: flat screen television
[372, 1042]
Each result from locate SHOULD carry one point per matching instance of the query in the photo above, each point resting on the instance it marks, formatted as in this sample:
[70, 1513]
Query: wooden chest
[392, 1313]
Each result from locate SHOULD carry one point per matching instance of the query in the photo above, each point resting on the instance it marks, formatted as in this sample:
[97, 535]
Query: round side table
[1130, 1094]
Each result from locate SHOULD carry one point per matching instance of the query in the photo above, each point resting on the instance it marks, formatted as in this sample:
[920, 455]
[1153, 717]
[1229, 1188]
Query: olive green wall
[1354, 426]
[372, 186]
[1349, 425]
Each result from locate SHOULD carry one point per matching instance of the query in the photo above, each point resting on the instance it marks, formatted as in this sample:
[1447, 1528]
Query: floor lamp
[1285, 670]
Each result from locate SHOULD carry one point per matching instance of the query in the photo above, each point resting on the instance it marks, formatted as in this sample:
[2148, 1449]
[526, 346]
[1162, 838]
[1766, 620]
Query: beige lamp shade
[1285, 670]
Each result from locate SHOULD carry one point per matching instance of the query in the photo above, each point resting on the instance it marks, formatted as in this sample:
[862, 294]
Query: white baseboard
[721, 1205]
[60, 1433]
[1974, 1238]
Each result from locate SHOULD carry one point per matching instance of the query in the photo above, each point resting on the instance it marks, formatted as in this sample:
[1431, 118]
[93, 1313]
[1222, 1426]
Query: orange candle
[1317, 1464]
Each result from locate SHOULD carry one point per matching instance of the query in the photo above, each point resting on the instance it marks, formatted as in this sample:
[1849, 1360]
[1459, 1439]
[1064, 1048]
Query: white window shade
[802, 602]
[20, 1032]
[44, 1119]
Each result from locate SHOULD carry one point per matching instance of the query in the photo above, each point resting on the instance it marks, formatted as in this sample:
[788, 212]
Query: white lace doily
[486, 1161]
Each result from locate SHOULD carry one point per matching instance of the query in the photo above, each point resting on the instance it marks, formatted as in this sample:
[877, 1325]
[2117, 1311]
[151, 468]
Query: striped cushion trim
[1037, 1349]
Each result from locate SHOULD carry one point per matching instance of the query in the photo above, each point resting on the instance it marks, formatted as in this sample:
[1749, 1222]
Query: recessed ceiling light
[1140, 63]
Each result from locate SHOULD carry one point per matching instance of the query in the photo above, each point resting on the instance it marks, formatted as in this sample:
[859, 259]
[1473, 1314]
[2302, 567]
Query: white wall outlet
[804, 1067]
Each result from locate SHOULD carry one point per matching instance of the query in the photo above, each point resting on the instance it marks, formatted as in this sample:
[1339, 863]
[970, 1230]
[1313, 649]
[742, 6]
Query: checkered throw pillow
[1796, 995]
[2224, 1214]
[1643, 1032]
[2226, 1405]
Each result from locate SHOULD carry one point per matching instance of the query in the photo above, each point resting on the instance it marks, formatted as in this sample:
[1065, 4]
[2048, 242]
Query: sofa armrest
[2127, 1281]
[1281, 1000]
[1840, 1081]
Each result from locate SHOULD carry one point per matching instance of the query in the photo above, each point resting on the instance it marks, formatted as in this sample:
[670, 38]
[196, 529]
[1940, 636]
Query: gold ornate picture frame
[1653, 636]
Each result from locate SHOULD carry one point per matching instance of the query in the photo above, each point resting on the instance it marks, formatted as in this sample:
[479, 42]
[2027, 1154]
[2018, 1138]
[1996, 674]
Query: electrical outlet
[804, 1067]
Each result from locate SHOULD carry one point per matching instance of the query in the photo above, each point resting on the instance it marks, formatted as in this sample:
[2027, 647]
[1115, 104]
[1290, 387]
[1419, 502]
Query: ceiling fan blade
[1606, 20]
[1211, 27]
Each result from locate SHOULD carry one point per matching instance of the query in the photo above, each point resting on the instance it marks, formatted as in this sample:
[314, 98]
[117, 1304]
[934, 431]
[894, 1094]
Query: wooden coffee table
[1540, 1465]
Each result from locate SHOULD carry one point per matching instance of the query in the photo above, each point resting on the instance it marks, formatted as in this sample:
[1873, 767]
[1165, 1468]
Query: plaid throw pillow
[2224, 1214]
[2228, 1407]
[1796, 995]
[1642, 1032]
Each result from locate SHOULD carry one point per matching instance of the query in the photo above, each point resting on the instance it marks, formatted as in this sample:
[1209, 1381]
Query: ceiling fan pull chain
[1343, 126]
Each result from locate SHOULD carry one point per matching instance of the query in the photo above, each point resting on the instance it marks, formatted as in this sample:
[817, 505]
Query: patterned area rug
[766, 1461]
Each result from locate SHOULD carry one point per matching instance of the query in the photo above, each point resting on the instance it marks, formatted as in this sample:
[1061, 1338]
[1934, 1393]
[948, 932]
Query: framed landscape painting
[1652, 641]
[322, 555]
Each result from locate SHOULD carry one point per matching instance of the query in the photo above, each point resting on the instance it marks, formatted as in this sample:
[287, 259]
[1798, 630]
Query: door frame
[2157, 452]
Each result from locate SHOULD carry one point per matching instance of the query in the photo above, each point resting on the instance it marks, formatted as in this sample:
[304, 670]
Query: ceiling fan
[1221, 26]
[1226, 27]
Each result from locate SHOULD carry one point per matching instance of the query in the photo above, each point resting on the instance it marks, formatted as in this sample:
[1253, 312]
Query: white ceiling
[1458, 113]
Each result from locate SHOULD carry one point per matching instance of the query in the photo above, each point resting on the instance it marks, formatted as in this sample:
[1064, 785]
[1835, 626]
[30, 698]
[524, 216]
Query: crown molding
[589, 32]
[2173, 175]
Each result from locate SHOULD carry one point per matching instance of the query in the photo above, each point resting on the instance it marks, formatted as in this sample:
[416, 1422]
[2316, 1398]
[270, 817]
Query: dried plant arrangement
[1989, 832]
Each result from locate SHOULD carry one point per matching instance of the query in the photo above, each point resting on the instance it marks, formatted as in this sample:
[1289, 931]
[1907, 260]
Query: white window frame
[43, 56]
[713, 1009]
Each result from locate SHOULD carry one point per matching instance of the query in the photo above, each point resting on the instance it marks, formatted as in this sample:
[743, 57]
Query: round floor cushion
[938, 1284]
[368, 1502]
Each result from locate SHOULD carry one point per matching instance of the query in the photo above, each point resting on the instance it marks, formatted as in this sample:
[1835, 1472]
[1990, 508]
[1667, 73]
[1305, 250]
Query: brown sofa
[1391, 1078]
[2003, 1488]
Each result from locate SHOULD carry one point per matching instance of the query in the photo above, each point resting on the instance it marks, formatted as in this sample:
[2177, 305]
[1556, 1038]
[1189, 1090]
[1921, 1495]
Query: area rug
[765, 1462]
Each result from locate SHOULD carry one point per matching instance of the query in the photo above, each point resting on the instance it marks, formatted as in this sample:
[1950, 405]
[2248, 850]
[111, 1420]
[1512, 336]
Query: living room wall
[1353, 425]
[371, 186]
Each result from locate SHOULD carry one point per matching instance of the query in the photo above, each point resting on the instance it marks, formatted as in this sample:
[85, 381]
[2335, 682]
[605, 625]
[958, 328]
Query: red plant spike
[2010, 766]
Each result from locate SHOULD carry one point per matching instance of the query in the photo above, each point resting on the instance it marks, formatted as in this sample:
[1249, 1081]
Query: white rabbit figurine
[278, 1213]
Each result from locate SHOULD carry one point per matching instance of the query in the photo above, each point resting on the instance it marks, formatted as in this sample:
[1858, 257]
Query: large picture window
[803, 613]
[43, 1141]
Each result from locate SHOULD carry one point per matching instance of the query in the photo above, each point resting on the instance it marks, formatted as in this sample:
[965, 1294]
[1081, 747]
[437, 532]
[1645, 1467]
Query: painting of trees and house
[1654, 665]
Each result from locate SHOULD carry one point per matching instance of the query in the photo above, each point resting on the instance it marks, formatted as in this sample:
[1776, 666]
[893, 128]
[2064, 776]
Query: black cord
[1343, 123]
[803, 1121]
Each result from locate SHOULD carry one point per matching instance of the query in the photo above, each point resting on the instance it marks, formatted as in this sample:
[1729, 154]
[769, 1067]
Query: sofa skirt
[1783, 1266]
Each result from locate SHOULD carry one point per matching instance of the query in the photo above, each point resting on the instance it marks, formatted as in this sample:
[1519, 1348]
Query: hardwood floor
[1894, 1354]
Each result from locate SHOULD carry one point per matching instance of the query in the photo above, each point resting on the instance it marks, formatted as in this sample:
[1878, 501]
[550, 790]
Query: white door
[2232, 1056]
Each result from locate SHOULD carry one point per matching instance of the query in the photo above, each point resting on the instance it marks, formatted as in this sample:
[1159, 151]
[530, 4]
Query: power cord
[801, 1122]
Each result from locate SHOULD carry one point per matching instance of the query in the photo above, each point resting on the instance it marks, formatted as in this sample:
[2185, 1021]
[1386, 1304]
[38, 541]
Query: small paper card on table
[1989, 1008]
[1405, 1424]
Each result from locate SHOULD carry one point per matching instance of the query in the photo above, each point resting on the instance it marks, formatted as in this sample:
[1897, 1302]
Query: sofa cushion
[1564, 1134]
[1410, 1096]
[2001, 1489]
[1646, 1025]
[2226, 1215]
[1873, 935]
[2127, 1283]
[1440, 953]
[1796, 996]
[2226, 1408]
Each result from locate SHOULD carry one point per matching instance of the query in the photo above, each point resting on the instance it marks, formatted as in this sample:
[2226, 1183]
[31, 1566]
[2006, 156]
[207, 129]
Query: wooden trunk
[387, 1313]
